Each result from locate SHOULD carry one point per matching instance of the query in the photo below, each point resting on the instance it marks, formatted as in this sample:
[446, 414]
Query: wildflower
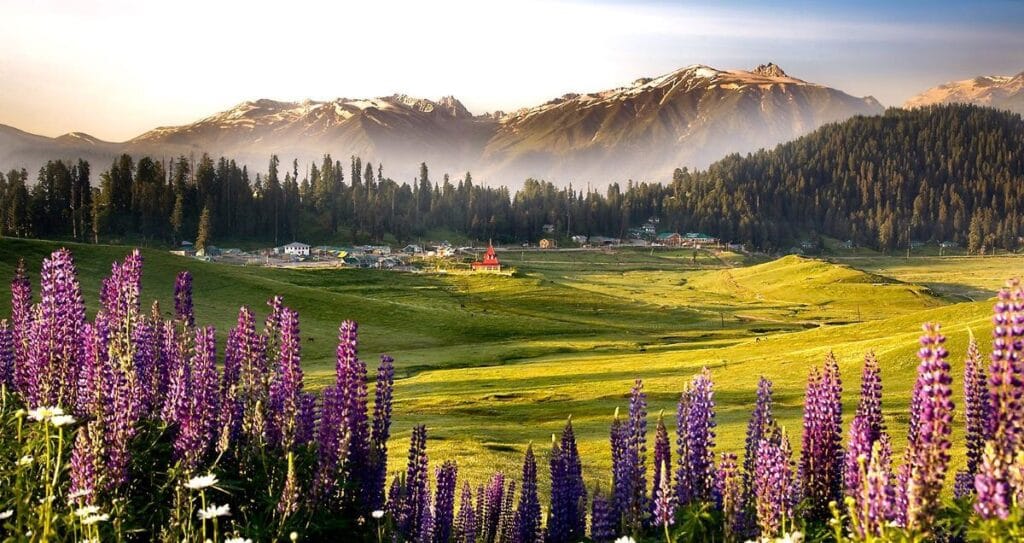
[773, 485]
[183, 299]
[87, 511]
[201, 482]
[625, 539]
[25, 460]
[664, 501]
[378, 514]
[821, 457]
[928, 454]
[6, 514]
[237, 540]
[45, 413]
[62, 420]
[214, 511]
[567, 522]
[695, 441]
[416, 491]
[444, 501]
[381, 430]
[527, 515]
[93, 519]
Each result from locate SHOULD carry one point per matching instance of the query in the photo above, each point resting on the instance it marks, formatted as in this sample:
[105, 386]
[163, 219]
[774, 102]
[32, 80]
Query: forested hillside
[944, 173]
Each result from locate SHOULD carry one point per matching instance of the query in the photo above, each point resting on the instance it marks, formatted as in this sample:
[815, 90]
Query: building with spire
[490, 262]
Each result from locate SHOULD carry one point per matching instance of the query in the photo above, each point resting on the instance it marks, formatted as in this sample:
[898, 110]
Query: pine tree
[203, 236]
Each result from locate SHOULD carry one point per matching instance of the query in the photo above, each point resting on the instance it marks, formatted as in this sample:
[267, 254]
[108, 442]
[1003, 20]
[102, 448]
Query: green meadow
[491, 363]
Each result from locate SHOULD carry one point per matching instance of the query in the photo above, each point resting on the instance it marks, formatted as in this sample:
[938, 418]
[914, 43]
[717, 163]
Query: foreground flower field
[130, 426]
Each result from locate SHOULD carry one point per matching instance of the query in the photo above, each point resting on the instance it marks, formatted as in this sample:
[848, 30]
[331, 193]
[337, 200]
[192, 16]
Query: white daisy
[93, 519]
[26, 460]
[43, 413]
[201, 482]
[378, 514]
[62, 420]
[7, 514]
[214, 511]
[86, 511]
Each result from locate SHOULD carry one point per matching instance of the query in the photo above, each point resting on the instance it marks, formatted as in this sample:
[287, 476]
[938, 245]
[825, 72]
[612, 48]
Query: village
[442, 256]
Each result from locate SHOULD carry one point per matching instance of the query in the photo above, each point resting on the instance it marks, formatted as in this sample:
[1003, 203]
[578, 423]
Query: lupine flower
[928, 456]
[664, 501]
[465, 524]
[21, 315]
[307, 418]
[998, 482]
[872, 508]
[183, 311]
[489, 507]
[976, 416]
[426, 532]
[198, 426]
[6, 354]
[351, 383]
[568, 515]
[870, 405]
[621, 468]
[85, 457]
[381, 430]
[286, 388]
[527, 519]
[416, 484]
[773, 485]
[176, 399]
[821, 458]
[288, 503]
[695, 441]
[444, 502]
[54, 334]
[761, 426]
[328, 445]
[603, 521]
[253, 375]
[662, 452]
[733, 501]
[508, 520]
[631, 481]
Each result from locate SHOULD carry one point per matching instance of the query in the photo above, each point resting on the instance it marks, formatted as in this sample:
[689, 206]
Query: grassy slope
[491, 363]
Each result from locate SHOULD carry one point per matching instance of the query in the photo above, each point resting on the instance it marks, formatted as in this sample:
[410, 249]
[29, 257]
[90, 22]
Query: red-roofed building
[490, 262]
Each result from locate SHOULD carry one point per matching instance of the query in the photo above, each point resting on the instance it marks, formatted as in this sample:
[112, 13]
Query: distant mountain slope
[998, 91]
[691, 117]
[688, 117]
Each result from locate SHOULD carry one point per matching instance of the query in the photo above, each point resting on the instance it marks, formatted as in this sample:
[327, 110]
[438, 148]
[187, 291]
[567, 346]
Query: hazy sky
[116, 68]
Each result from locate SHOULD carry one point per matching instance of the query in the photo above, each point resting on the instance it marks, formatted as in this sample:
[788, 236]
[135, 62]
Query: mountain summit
[688, 117]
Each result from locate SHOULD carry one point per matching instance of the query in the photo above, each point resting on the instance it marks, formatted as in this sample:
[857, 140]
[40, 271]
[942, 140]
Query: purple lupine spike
[381, 430]
[93, 362]
[874, 503]
[568, 514]
[508, 521]
[465, 524]
[288, 502]
[85, 457]
[395, 504]
[664, 500]
[928, 456]
[695, 441]
[635, 507]
[426, 531]
[253, 375]
[329, 446]
[760, 426]
[54, 351]
[232, 373]
[870, 405]
[773, 484]
[145, 362]
[198, 422]
[821, 458]
[734, 502]
[621, 469]
[603, 520]
[976, 410]
[527, 516]
[351, 382]
[178, 375]
[662, 451]
[444, 501]
[122, 294]
[6, 354]
[416, 485]
[21, 307]
[307, 418]
[286, 388]
[490, 507]
[183, 310]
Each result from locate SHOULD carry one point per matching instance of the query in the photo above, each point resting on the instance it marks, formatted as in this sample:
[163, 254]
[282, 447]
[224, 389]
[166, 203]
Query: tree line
[944, 173]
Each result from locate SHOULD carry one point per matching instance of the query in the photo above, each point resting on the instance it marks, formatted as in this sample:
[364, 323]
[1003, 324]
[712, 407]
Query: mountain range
[642, 131]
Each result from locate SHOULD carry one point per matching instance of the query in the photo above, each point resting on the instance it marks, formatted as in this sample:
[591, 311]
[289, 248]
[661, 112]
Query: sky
[116, 68]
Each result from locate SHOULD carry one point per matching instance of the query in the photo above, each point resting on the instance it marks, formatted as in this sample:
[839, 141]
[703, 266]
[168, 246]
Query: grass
[491, 363]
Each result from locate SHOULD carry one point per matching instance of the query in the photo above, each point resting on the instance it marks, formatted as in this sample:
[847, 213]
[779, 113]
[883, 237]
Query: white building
[296, 248]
